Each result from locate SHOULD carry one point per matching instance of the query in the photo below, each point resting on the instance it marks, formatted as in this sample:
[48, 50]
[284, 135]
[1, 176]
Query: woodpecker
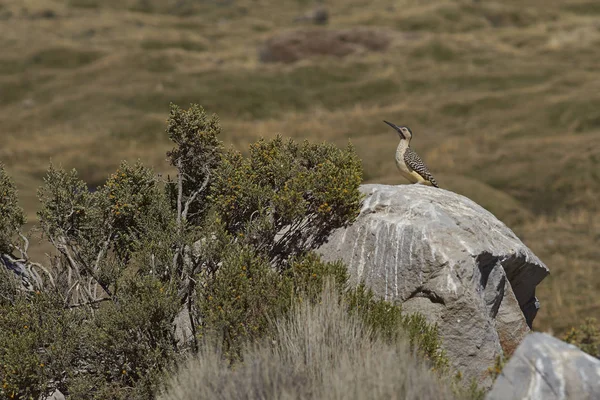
[408, 162]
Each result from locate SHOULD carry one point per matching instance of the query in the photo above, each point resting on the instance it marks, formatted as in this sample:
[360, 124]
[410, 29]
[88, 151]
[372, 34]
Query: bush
[285, 198]
[11, 215]
[96, 232]
[238, 301]
[127, 346]
[38, 342]
[196, 155]
[386, 320]
[319, 351]
[586, 337]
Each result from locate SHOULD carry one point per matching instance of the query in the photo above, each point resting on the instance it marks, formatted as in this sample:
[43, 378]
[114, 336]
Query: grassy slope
[502, 96]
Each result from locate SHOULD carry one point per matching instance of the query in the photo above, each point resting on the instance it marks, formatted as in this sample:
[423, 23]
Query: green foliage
[67, 207]
[38, 339]
[241, 300]
[386, 320]
[196, 155]
[287, 197]
[128, 345]
[238, 301]
[309, 275]
[131, 200]
[8, 287]
[97, 232]
[11, 215]
[586, 337]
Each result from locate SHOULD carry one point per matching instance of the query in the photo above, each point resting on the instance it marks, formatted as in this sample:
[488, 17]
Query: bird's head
[403, 131]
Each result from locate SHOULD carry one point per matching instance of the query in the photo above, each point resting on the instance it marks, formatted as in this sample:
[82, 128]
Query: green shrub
[320, 351]
[586, 337]
[132, 199]
[11, 214]
[38, 340]
[386, 320]
[238, 301]
[128, 346]
[196, 155]
[285, 198]
[96, 232]
[309, 274]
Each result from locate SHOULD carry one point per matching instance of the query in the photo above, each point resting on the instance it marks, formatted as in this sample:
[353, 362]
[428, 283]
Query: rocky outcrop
[544, 367]
[441, 254]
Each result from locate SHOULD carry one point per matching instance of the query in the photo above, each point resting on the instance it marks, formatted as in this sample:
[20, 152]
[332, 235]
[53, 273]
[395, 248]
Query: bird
[408, 162]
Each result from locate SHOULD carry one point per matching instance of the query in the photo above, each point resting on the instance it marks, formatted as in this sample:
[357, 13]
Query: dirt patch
[297, 45]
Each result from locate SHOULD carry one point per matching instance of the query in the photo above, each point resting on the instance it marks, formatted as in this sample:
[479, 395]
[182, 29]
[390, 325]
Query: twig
[89, 303]
[195, 194]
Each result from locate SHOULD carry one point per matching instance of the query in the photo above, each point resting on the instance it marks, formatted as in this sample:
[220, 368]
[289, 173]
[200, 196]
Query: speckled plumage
[408, 162]
[413, 160]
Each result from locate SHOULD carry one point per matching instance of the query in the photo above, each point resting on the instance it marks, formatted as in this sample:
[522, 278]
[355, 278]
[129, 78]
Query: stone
[56, 395]
[317, 16]
[184, 334]
[544, 367]
[441, 254]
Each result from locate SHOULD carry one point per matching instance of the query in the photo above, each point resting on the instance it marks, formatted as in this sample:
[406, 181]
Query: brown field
[503, 98]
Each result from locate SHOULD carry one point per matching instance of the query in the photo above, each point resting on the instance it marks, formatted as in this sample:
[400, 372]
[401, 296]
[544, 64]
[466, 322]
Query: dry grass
[320, 353]
[503, 98]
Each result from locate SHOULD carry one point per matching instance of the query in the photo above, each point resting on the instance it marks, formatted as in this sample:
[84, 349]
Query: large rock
[546, 368]
[443, 255]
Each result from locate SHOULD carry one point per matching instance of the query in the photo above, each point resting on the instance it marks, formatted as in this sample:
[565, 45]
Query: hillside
[503, 99]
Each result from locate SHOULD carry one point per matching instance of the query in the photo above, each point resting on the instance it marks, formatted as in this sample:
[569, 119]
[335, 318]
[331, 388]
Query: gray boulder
[544, 367]
[441, 254]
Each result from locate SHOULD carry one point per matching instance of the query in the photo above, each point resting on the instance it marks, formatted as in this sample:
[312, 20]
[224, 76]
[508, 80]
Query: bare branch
[179, 191]
[89, 303]
[44, 269]
[195, 194]
[64, 248]
[103, 250]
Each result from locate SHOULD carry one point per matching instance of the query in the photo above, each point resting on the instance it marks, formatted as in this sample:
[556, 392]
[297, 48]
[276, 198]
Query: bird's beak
[395, 128]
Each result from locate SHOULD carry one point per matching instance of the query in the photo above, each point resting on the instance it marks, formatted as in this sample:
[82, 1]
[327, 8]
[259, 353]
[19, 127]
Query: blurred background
[503, 98]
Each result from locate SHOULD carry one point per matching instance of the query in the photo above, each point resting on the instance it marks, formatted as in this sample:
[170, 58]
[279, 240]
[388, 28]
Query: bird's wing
[413, 160]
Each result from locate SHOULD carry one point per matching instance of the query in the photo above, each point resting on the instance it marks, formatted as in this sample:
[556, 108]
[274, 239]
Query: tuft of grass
[321, 352]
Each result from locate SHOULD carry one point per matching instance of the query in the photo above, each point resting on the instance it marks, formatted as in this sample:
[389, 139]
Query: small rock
[318, 16]
[544, 367]
[57, 395]
[28, 103]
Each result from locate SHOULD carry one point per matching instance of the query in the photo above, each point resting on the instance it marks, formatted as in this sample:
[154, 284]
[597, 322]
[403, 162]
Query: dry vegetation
[321, 352]
[503, 97]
